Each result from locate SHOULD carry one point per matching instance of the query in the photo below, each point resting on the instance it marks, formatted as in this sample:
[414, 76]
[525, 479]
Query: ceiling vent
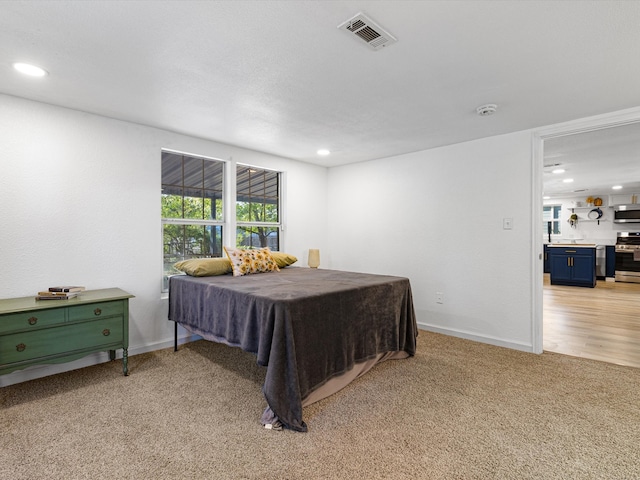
[368, 31]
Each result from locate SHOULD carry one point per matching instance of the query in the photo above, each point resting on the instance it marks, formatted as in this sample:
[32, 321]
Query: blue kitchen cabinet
[575, 266]
[546, 266]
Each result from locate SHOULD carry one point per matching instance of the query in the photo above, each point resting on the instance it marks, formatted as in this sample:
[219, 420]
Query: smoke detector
[488, 109]
[368, 31]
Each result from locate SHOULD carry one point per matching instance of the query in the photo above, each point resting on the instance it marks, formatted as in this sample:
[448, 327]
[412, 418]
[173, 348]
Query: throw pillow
[283, 259]
[246, 261]
[204, 267]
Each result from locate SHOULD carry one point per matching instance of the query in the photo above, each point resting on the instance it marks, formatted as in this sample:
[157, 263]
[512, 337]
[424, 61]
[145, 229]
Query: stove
[628, 257]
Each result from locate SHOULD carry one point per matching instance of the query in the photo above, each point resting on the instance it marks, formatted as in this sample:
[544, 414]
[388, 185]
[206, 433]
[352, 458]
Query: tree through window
[257, 208]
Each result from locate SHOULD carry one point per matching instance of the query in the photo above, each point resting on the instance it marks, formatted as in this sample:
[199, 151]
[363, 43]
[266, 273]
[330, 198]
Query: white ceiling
[596, 161]
[279, 77]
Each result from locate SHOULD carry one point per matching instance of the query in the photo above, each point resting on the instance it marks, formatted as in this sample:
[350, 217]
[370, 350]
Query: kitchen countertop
[573, 245]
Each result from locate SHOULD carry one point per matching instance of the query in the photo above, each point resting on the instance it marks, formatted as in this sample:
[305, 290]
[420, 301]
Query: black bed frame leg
[175, 336]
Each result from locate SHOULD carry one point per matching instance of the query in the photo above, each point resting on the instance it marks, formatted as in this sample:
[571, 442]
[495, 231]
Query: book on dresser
[62, 292]
[56, 295]
[66, 289]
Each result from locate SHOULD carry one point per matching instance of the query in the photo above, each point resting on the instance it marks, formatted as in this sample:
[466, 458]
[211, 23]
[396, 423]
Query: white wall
[586, 230]
[80, 204]
[436, 217]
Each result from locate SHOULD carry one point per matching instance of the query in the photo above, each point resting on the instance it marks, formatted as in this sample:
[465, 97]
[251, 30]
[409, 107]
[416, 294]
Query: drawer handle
[21, 347]
[97, 312]
[32, 320]
[106, 332]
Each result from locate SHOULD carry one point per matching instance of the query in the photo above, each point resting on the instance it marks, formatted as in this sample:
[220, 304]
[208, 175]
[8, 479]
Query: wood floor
[601, 323]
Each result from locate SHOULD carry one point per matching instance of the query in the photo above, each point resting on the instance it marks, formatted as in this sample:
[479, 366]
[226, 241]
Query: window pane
[256, 212]
[191, 187]
[202, 241]
[551, 214]
[172, 203]
[182, 242]
[171, 168]
[258, 237]
[193, 171]
[213, 205]
[213, 175]
[555, 227]
[271, 184]
[257, 195]
[193, 204]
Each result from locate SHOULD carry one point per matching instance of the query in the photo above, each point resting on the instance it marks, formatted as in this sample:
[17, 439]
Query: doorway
[597, 127]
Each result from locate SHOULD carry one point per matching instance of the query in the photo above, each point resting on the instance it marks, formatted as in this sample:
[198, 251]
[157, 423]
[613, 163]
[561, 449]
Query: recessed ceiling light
[568, 180]
[32, 70]
[617, 187]
[546, 197]
[558, 170]
[323, 152]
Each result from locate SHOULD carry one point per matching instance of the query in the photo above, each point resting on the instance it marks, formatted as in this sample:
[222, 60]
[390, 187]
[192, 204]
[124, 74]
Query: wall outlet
[439, 297]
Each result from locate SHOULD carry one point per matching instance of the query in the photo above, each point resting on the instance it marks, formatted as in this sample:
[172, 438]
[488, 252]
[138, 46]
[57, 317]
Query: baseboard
[190, 337]
[39, 371]
[477, 338]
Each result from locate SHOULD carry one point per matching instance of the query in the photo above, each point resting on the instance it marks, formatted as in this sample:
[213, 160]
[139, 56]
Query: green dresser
[34, 332]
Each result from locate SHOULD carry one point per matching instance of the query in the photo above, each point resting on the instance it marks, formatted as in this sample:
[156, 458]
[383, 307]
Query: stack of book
[59, 293]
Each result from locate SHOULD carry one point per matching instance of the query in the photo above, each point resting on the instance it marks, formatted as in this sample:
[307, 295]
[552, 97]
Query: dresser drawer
[32, 320]
[23, 346]
[96, 310]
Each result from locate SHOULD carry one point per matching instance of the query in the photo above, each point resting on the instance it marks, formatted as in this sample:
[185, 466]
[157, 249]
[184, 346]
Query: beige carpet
[458, 410]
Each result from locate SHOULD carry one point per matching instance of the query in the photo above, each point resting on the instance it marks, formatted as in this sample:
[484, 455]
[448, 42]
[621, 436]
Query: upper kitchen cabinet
[626, 199]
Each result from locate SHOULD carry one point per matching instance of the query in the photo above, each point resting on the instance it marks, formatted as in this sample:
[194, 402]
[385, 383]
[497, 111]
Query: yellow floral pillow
[245, 261]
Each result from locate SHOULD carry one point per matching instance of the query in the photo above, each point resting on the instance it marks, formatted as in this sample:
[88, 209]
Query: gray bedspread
[305, 325]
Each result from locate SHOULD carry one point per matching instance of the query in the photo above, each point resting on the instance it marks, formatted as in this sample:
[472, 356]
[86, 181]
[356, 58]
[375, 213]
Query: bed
[314, 330]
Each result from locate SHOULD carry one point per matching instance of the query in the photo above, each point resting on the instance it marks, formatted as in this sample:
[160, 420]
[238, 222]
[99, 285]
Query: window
[551, 215]
[192, 202]
[258, 220]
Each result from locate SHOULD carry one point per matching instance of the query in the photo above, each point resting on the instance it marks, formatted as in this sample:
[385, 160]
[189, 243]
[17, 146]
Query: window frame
[280, 195]
[222, 223]
[228, 222]
[556, 221]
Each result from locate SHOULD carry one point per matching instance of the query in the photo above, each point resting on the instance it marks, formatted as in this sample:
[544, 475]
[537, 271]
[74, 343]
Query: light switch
[507, 223]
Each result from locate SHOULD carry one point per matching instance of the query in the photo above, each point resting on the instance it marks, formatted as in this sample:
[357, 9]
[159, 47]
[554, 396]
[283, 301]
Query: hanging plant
[573, 220]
